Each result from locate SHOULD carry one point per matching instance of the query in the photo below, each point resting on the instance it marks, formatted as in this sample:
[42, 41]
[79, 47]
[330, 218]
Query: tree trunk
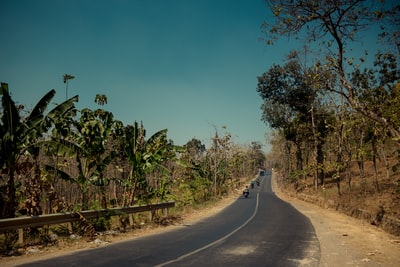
[348, 174]
[374, 153]
[385, 159]
[339, 156]
[299, 157]
[288, 162]
[103, 197]
[10, 205]
[85, 199]
[34, 191]
[338, 185]
[315, 137]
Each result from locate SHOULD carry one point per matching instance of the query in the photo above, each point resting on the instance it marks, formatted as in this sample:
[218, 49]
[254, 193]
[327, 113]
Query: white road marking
[215, 242]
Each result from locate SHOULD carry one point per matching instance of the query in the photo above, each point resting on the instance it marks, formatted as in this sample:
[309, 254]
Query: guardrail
[58, 218]
[68, 217]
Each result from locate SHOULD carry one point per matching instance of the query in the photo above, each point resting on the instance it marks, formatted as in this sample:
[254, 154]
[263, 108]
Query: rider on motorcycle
[246, 191]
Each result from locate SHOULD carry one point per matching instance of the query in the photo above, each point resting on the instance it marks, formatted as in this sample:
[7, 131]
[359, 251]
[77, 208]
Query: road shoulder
[346, 241]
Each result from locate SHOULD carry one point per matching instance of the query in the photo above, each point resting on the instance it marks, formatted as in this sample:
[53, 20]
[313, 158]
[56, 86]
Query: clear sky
[188, 66]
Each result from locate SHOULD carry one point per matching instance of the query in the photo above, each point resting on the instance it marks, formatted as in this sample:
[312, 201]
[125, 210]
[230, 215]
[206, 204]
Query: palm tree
[20, 135]
[66, 78]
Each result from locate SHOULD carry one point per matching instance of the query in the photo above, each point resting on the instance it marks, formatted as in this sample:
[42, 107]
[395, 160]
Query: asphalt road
[260, 230]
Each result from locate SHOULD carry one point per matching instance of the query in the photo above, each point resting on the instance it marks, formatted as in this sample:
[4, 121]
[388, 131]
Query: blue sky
[188, 66]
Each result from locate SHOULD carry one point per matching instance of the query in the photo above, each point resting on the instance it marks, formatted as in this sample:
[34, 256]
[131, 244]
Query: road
[260, 230]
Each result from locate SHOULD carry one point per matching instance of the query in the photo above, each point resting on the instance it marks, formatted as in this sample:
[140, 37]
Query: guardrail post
[69, 226]
[131, 219]
[20, 236]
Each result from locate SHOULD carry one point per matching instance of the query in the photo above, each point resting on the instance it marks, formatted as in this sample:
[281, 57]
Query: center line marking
[213, 243]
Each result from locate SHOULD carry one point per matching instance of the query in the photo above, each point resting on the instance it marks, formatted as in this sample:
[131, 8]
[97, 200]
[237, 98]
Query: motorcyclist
[246, 191]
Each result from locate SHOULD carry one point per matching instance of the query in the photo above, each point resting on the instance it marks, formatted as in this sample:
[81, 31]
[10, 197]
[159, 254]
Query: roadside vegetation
[69, 160]
[334, 106]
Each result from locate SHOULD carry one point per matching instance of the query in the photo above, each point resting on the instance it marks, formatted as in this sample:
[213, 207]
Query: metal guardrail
[58, 218]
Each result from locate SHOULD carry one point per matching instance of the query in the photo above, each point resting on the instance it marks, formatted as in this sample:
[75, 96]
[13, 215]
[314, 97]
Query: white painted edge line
[215, 242]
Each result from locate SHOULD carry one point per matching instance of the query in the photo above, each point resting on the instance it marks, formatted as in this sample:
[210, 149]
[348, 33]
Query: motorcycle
[246, 193]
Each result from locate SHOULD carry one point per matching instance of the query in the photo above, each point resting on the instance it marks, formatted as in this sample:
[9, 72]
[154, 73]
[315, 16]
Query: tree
[195, 149]
[90, 145]
[287, 104]
[195, 178]
[257, 154]
[144, 156]
[378, 88]
[19, 135]
[336, 24]
[220, 151]
[380, 92]
[291, 103]
[66, 78]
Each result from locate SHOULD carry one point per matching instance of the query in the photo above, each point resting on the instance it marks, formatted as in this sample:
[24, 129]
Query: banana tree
[89, 145]
[160, 156]
[144, 157]
[18, 136]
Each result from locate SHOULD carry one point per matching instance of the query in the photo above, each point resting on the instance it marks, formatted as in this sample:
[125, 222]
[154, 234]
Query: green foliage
[61, 230]
[288, 86]
[38, 235]
[101, 223]
[379, 88]
[95, 139]
[19, 136]
[8, 241]
[296, 175]
[145, 157]
[88, 143]
[194, 149]
[185, 194]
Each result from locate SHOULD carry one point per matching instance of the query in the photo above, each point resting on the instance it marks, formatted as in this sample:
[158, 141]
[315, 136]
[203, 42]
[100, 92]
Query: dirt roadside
[344, 241]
